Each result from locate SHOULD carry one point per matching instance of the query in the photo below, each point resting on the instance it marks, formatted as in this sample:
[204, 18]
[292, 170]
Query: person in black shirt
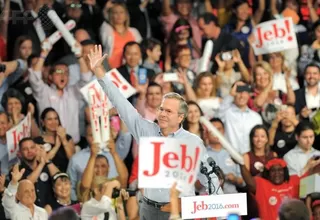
[62, 194]
[38, 169]
[281, 132]
[222, 41]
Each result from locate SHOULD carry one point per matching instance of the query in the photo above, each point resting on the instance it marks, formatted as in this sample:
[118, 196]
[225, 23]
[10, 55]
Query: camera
[226, 56]
[2, 67]
[116, 193]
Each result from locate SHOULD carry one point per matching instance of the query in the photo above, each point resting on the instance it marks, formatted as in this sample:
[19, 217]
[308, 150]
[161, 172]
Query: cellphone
[244, 88]
[233, 217]
[116, 193]
[142, 74]
[226, 56]
[3, 67]
[170, 77]
[115, 122]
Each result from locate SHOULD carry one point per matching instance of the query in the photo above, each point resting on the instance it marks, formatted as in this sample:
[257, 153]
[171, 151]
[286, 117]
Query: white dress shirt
[311, 100]
[94, 209]
[279, 83]
[17, 211]
[238, 124]
[297, 159]
[66, 105]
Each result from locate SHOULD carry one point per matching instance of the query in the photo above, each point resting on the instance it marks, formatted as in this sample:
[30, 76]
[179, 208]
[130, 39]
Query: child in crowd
[151, 49]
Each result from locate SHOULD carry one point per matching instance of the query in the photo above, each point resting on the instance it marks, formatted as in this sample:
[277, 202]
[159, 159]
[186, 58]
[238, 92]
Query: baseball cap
[59, 175]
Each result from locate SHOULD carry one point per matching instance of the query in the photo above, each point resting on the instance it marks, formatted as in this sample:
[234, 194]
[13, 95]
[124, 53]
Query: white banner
[15, 134]
[126, 89]
[163, 161]
[274, 36]
[213, 206]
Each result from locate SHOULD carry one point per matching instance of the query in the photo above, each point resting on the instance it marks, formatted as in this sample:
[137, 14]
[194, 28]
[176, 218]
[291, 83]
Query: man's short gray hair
[183, 106]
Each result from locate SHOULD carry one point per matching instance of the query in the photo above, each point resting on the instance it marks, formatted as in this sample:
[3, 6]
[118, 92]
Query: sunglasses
[75, 5]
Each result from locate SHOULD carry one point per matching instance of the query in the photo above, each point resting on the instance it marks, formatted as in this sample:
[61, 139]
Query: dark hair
[217, 120]
[20, 40]
[303, 126]
[44, 114]
[6, 114]
[178, 50]
[101, 156]
[24, 140]
[186, 123]
[312, 64]
[293, 209]
[64, 213]
[129, 44]
[252, 133]
[209, 17]
[149, 44]
[234, 20]
[266, 174]
[12, 93]
[154, 84]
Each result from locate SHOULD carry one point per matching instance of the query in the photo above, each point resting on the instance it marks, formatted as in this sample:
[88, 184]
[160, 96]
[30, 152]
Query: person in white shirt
[303, 154]
[24, 193]
[100, 204]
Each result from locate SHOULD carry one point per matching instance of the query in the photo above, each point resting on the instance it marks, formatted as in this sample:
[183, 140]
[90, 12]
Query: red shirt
[269, 196]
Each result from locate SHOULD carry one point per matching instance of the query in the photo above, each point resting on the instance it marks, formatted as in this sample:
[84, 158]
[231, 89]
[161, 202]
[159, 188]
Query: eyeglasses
[168, 111]
[75, 5]
[61, 72]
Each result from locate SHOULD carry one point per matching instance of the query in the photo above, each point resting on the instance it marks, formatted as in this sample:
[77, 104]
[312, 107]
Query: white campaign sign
[163, 161]
[213, 205]
[274, 36]
[126, 89]
[15, 134]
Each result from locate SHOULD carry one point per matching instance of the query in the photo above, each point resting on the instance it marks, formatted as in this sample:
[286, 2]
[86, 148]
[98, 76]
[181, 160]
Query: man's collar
[174, 133]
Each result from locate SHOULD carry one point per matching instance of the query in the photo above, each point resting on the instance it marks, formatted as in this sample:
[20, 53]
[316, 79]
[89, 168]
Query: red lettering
[185, 159]
[117, 81]
[199, 207]
[156, 159]
[204, 206]
[277, 30]
[260, 40]
[16, 139]
[196, 158]
[96, 97]
[170, 157]
[267, 34]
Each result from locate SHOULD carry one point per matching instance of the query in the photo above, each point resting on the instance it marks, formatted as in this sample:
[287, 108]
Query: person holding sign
[170, 115]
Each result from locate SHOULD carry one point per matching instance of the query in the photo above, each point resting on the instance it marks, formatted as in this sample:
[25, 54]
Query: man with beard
[38, 170]
[24, 193]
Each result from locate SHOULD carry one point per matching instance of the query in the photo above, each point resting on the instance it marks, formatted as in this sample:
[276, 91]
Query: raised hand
[61, 132]
[95, 149]
[95, 59]
[31, 108]
[2, 182]
[16, 174]
[111, 146]
[220, 62]
[77, 50]
[236, 56]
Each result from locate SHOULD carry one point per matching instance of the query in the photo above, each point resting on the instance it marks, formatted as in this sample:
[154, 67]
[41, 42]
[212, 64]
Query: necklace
[64, 204]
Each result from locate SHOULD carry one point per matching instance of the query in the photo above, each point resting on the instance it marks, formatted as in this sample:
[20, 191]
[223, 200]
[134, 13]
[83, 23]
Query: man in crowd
[171, 113]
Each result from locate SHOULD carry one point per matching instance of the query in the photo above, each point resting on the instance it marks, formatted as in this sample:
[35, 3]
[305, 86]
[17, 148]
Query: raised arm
[248, 179]
[136, 125]
[259, 12]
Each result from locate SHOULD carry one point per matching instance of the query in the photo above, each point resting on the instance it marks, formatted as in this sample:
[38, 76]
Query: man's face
[168, 115]
[26, 193]
[184, 8]
[184, 58]
[306, 139]
[74, 10]
[214, 139]
[60, 76]
[241, 99]
[154, 96]
[207, 29]
[29, 151]
[4, 125]
[312, 76]
[132, 55]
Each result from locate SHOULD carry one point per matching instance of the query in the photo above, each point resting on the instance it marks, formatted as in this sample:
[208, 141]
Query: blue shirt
[140, 127]
[12, 78]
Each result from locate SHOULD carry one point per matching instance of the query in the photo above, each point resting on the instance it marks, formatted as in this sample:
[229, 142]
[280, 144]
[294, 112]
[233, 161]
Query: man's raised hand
[96, 58]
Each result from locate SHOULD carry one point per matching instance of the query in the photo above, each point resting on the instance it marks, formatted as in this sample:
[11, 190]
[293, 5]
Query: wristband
[49, 162]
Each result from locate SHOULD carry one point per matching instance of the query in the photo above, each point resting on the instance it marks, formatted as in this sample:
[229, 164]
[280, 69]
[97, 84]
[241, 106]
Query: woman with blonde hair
[205, 89]
[263, 92]
[115, 33]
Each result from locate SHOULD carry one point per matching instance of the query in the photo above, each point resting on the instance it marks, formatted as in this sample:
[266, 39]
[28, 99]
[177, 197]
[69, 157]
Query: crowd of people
[266, 106]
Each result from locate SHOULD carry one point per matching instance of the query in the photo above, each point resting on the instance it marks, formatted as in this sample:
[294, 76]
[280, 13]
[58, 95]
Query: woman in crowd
[192, 122]
[58, 144]
[273, 186]
[62, 194]
[241, 26]
[260, 152]
[14, 103]
[205, 89]
[263, 93]
[116, 33]
[181, 34]
[22, 48]
[226, 74]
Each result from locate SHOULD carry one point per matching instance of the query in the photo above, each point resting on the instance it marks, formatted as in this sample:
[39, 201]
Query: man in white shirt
[299, 157]
[238, 118]
[24, 193]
